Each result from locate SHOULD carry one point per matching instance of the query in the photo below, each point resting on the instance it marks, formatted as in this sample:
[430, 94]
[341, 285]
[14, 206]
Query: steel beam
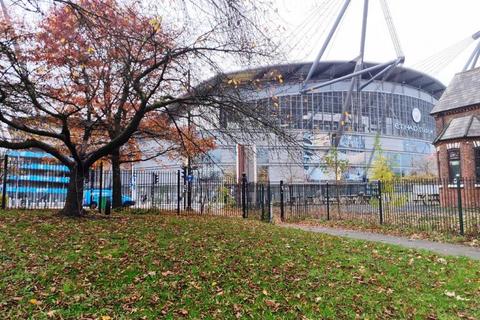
[364, 33]
[475, 60]
[327, 41]
[354, 74]
[387, 70]
[472, 56]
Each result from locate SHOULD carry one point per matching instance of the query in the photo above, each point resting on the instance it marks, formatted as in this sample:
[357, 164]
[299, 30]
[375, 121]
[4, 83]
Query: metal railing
[426, 205]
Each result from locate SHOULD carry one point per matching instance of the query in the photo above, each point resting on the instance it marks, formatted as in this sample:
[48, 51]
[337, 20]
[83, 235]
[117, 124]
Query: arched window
[454, 164]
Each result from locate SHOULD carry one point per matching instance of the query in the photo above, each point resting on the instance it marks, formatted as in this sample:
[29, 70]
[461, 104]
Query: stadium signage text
[414, 128]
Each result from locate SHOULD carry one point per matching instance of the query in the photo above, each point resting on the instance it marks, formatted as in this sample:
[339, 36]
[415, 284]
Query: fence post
[328, 204]
[184, 194]
[189, 188]
[269, 203]
[152, 191]
[101, 188]
[92, 184]
[178, 192]
[460, 207]
[380, 204]
[262, 199]
[4, 186]
[282, 204]
[244, 196]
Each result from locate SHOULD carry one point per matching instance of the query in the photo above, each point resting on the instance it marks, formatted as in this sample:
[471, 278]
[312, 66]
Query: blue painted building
[35, 179]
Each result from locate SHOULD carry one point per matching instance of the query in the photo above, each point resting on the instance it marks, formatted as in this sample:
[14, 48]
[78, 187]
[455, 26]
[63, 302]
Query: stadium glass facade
[397, 109]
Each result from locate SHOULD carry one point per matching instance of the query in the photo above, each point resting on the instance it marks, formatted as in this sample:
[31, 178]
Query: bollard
[108, 206]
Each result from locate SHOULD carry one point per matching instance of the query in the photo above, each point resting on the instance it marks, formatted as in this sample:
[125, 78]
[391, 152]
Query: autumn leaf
[183, 312]
[272, 304]
[51, 313]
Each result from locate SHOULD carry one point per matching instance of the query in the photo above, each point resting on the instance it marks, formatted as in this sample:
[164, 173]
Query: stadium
[397, 108]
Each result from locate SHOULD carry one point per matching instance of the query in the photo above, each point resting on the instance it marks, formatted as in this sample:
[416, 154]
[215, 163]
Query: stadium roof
[329, 70]
[463, 91]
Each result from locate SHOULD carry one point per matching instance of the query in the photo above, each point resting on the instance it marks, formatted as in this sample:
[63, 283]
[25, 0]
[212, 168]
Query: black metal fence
[31, 183]
[428, 205]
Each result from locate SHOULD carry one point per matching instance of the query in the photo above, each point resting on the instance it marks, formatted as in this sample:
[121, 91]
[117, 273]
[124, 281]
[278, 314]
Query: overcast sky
[425, 28]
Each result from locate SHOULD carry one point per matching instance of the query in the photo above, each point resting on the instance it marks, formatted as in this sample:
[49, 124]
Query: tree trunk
[74, 203]
[116, 180]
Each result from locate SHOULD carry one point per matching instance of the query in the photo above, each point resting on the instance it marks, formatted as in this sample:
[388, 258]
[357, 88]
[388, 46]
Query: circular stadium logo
[416, 115]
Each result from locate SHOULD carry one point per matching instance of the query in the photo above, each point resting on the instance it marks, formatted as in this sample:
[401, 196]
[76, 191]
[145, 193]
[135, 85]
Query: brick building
[457, 120]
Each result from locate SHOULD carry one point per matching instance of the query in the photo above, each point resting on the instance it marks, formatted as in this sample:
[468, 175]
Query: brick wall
[448, 193]
[470, 193]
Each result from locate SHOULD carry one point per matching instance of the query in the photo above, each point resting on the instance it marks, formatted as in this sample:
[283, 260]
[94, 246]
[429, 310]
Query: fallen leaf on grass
[452, 294]
[51, 313]
[272, 304]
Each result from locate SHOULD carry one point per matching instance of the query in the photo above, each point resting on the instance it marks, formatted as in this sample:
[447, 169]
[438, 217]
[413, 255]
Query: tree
[335, 164]
[80, 80]
[382, 171]
[381, 167]
[338, 166]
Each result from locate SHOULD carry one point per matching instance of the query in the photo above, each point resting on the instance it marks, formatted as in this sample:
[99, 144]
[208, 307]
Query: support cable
[327, 17]
[391, 28]
[307, 23]
[446, 56]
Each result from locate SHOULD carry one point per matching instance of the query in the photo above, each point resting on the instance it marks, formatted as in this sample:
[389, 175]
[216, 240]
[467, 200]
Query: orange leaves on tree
[88, 60]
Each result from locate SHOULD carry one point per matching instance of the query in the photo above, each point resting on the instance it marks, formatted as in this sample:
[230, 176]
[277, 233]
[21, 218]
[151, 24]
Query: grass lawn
[159, 266]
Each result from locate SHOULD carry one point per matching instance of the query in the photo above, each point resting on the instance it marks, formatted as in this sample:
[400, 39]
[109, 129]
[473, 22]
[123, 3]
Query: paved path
[437, 247]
